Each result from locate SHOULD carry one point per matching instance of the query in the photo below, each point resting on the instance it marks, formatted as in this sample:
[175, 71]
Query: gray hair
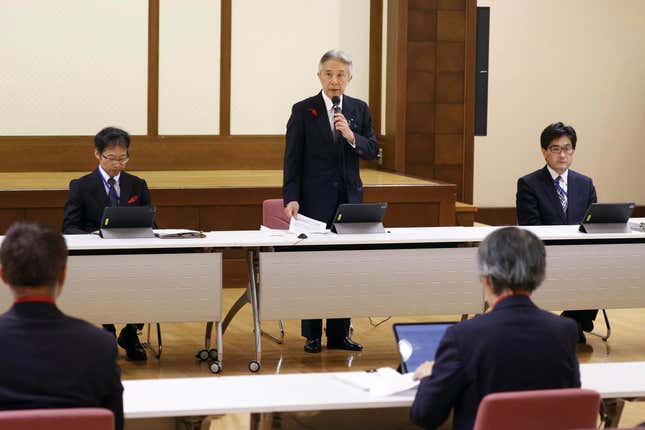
[512, 258]
[336, 54]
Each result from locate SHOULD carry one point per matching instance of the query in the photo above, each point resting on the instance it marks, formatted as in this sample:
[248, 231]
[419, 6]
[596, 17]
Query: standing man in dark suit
[556, 195]
[50, 360]
[108, 185]
[326, 136]
[516, 346]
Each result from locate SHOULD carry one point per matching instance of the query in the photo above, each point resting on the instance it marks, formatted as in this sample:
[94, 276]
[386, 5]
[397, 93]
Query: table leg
[613, 409]
[252, 255]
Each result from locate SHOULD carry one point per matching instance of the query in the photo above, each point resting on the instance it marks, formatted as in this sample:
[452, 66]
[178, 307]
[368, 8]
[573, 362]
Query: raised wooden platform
[225, 200]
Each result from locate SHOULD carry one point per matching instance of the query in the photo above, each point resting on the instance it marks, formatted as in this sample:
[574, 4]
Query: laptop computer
[418, 342]
[607, 218]
[357, 218]
[124, 222]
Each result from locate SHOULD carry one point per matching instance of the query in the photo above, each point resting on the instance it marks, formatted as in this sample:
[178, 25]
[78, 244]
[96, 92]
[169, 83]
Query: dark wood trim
[75, 153]
[469, 101]
[153, 68]
[396, 87]
[508, 215]
[376, 62]
[496, 216]
[225, 68]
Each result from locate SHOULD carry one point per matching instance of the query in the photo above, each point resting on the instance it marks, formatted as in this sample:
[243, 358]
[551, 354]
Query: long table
[425, 271]
[292, 392]
[143, 280]
[404, 272]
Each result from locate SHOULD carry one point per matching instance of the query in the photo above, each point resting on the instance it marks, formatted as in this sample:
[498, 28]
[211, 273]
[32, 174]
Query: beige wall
[577, 61]
[71, 67]
[275, 48]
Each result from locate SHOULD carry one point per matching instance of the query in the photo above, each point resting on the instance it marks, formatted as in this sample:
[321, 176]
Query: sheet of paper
[304, 224]
[382, 382]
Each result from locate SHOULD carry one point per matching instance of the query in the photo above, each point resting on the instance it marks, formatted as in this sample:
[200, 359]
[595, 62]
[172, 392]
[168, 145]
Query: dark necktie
[562, 195]
[114, 199]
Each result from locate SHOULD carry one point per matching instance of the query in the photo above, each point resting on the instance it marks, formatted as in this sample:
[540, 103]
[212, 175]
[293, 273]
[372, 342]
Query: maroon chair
[273, 215]
[57, 419]
[561, 409]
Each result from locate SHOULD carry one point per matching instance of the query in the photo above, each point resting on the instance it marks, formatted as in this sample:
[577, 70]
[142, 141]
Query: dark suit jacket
[537, 201]
[317, 168]
[87, 199]
[516, 346]
[50, 360]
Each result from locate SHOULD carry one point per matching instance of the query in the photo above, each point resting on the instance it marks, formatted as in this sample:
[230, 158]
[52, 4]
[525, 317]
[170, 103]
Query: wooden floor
[13, 181]
[182, 341]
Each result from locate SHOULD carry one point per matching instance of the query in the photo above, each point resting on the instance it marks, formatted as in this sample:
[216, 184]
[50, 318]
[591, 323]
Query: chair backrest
[560, 409]
[273, 214]
[57, 419]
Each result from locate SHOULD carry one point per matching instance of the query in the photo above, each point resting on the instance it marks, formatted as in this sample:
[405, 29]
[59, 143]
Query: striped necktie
[114, 199]
[562, 195]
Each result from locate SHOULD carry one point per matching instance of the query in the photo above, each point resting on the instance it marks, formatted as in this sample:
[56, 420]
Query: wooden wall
[429, 105]
[430, 92]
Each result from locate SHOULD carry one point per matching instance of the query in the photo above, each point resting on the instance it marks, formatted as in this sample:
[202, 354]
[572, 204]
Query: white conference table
[153, 398]
[142, 280]
[403, 272]
[424, 271]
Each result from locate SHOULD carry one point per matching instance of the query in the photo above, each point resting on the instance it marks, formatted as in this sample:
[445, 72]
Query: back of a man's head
[32, 256]
[512, 259]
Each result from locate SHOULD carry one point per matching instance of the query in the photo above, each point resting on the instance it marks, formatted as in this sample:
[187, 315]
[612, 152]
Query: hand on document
[304, 224]
[425, 369]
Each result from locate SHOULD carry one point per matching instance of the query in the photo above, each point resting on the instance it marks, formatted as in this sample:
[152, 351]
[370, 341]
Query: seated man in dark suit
[556, 195]
[108, 185]
[516, 346]
[50, 360]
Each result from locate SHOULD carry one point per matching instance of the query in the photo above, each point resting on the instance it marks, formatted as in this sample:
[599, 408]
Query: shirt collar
[329, 104]
[555, 174]
[106, 176]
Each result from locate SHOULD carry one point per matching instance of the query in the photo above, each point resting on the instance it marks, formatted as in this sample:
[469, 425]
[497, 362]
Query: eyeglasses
[115, 160]
[555, 149]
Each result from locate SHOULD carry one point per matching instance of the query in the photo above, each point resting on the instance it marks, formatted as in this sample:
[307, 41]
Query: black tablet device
[418, 342]
[359, 218]
[127, 222]
[607, 218]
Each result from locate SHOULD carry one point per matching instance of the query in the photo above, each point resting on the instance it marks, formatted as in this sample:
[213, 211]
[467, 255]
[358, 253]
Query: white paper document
[382, 382]
[304, 224]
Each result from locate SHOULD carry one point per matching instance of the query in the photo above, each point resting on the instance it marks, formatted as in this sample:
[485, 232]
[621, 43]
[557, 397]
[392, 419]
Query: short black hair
[555, 131]
[111, 136]
[32, 255]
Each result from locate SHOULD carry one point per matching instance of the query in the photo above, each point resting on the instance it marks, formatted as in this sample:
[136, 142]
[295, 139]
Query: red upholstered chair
[273, 215]
[57, 419]
[561, 409]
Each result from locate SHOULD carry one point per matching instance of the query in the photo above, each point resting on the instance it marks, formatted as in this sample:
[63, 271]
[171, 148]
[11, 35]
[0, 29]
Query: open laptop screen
[418, 342]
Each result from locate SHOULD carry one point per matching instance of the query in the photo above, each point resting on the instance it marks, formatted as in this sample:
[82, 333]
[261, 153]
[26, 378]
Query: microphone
[335, 101]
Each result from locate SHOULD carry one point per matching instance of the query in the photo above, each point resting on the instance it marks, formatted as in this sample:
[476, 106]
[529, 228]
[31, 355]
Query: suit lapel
[572, 188]
[552, 196]
[101, 197]
[349, 111]
[126, 189]
[322, 120]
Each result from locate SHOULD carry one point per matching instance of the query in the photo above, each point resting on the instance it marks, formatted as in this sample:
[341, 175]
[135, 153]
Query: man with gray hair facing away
[514, 347]
[326, 136]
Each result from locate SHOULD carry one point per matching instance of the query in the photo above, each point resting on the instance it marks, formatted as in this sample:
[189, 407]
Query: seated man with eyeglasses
[108, 185]
[556, 195]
